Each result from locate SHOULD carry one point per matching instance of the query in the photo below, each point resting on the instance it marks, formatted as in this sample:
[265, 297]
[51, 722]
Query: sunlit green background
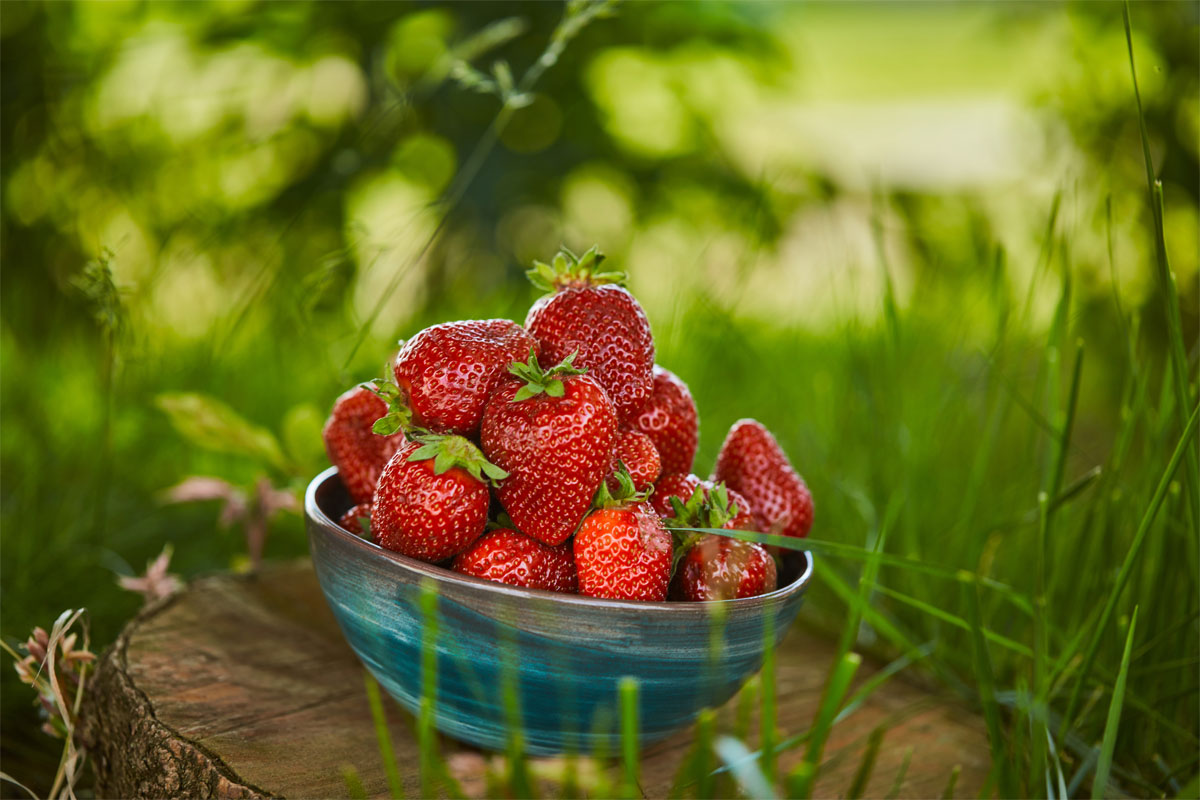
[854, 222]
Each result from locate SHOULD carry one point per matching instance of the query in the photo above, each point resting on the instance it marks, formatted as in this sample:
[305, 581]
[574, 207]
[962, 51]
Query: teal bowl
[565, 654]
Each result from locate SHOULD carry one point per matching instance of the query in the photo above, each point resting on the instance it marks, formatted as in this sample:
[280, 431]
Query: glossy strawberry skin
[358, 453]
[423, 515]
[637, 453]
[720, 568]
[608, 329]
[511, 557]
[556, 450]
[623, 554]
[669, 418]
[752, 462]
[676, 484]
[446, 372]
[351, 519]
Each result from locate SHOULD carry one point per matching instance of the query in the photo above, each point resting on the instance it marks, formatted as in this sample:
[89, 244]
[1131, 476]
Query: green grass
[991, 504]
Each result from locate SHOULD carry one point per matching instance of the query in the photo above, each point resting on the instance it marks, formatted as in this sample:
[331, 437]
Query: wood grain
[244, 687]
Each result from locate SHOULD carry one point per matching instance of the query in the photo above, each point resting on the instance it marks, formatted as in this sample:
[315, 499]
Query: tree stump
[242, 686]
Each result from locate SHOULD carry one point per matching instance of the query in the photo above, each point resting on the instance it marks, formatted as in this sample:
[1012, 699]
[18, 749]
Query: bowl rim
[330, 527]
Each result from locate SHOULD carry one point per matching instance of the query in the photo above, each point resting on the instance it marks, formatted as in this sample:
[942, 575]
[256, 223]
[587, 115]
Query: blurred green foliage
[854, 222]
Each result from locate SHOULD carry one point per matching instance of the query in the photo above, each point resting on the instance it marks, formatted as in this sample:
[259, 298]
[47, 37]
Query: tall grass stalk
[383, 740]
[1104, 765]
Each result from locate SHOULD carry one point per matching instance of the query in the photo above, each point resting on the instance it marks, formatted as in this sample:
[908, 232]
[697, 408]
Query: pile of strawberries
[558, 455]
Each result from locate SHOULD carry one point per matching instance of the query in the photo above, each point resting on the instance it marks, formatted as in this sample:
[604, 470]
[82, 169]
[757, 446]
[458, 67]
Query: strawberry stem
[449, 451]
[538, 380]
[398, 416]
[625, 494]
[570, 270]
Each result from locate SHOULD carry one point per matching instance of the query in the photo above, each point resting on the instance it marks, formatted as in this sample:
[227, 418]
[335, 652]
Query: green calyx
[538, 380]
[625, 494]
[398, 416]
[704, 509]
[449, 451]
[568, 269]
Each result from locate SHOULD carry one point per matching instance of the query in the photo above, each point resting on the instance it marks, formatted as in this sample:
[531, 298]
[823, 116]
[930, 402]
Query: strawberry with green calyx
[713, 567]
[752, 462]
[622, 550]
[446, 372]
[432, 498]
[508, 556]
[358, 520]
[675, 484]
[351, 444]
[635, 452]
[589, 312]
[553, 431]
[669, 418]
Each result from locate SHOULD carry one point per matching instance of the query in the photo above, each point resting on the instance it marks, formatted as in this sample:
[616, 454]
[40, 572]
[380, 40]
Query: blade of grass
[628, 690]
[1126, 568]
[867, 765]
[520, 783]
[1109, 743]
[956, 621]
[984, 675]
[835, 691]
[426, 733]
[354, 786]
[383, 738]
[948, 792]
[766, 710]
[744, 768]
[901, 774]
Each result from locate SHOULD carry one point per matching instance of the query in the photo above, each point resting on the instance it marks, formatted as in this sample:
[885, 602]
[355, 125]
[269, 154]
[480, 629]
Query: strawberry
[622, 550]
[353, 520]
[669, 419]
[553, 431]
[446, 372]
[592, 315]
[637, 453]
[675, 484]
[432, 499]
[358, 453]
[753, 463]
[712, 567]
[721, 568]
[511, 557]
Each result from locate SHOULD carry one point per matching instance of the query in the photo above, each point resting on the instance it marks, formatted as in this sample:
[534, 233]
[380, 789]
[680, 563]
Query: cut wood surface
[242, 686]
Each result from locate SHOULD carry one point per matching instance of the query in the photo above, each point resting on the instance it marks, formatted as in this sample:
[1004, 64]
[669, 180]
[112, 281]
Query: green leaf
[442, 462]
[212, 425]
[494, 472]
[425, 452]
[365, 524]
[386, 425]
[527, 391]
[1104, 765]
[555, 389]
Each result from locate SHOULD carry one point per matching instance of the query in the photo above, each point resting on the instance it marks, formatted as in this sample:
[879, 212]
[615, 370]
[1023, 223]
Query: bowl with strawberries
[515, 508]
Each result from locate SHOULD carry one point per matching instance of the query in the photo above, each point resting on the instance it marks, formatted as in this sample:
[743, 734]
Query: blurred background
[879, 229]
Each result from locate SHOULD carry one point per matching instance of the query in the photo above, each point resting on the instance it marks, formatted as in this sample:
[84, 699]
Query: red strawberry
[637, 453]
[622, 550]
[721, 568]
[358, 453]
[591, 315]
[432, 499]
[553, 431]
[352, 520]
[712, 567]
[676, 484]
[753, 463]
[446, 372]
[669, 419]
[511, 557]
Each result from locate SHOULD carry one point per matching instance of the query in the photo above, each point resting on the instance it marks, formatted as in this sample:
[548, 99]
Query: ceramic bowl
[566, 654]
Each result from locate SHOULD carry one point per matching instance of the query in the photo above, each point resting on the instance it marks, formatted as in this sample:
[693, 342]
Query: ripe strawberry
[637, 453]
[669, 419]
[511, 557]
[591, 314]
[353, 519]
[753, 463]
[675, 484]
[553, 431]
[720, 568]
[622, 550]
[432, 499]
[446, 372]
[358, 453]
